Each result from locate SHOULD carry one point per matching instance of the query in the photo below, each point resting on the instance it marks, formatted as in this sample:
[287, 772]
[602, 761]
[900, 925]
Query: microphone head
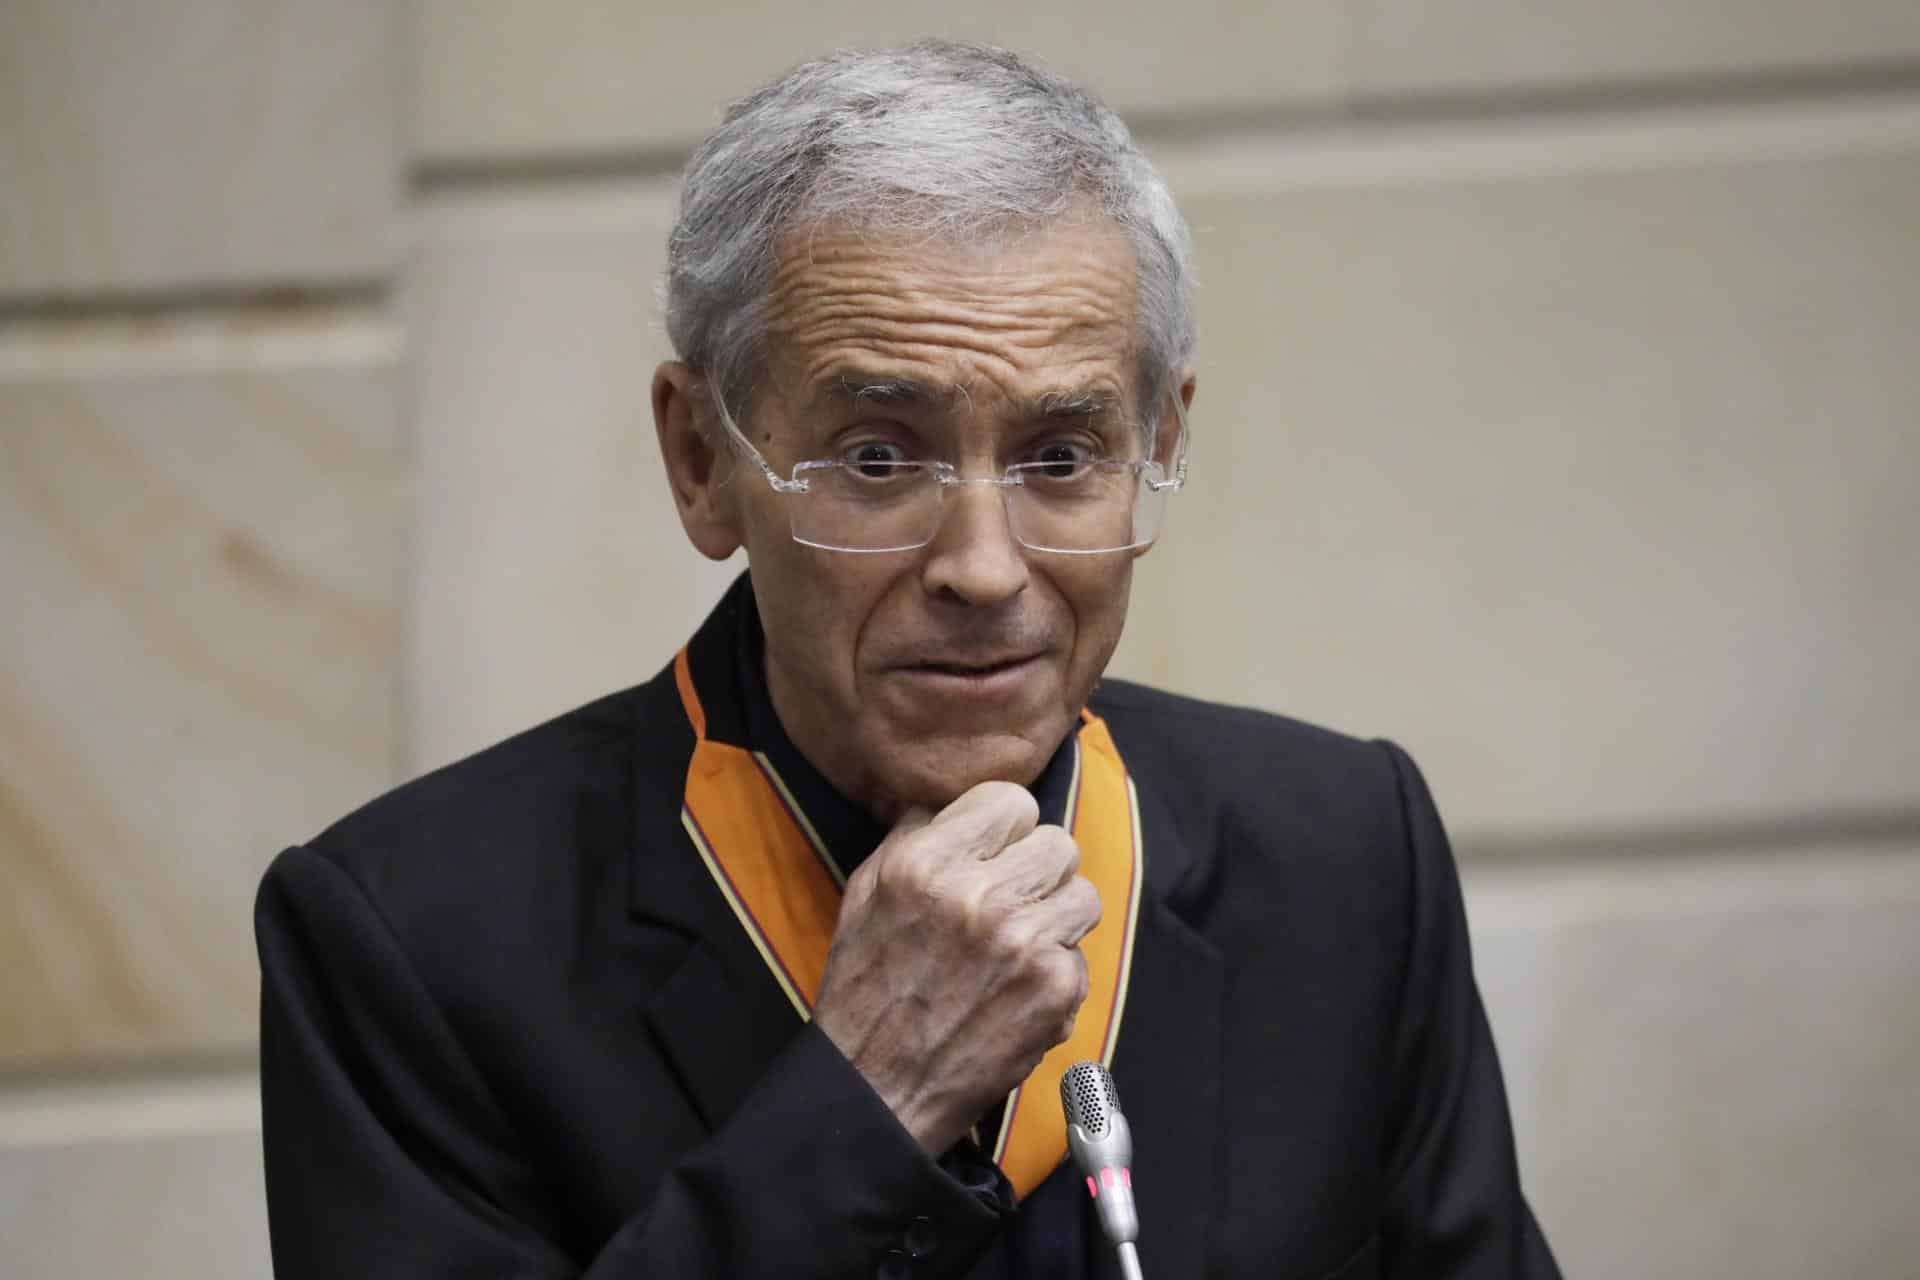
[1088, 1097]
[1102, 1147]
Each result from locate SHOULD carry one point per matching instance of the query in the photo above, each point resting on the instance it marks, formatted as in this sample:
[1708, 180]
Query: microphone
[1102, 1147]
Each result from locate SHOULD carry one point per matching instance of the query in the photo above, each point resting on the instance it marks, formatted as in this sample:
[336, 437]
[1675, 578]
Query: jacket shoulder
[1263, 801]
[1198, 740]
[514, 771]
[553, 804]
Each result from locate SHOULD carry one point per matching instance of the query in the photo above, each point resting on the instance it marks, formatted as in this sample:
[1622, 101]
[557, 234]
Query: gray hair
[963, 143]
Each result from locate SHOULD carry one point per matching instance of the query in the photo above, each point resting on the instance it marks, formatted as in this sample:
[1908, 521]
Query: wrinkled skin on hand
[955, 964]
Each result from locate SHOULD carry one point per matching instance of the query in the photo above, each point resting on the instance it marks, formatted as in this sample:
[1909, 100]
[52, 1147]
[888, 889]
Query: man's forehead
[1042, 325]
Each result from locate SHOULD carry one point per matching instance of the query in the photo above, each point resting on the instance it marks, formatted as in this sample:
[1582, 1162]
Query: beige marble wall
[1502, 46]
[562, 79]
[1582, 458]
[202, 493]
[1710, 1058]
[198, 670]
[158, 1178]
[550, 566]
[576, 77]
[203, 143]
[203, 503]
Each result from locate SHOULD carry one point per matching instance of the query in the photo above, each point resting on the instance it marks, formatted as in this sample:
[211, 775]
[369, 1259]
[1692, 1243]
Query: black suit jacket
[510, 1028]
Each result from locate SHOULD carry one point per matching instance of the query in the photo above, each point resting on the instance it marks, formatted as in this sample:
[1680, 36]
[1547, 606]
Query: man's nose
[973, 554]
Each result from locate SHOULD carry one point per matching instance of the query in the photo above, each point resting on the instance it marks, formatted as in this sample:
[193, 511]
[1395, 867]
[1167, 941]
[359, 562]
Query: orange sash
[775, 873]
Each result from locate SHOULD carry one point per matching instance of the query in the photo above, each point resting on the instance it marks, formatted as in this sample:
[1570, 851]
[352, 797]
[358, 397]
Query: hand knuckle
[1062, 847]
[1013, 937]
[1018, 802]
[979, 913]
[1065, 979]
[923, 871]
[889, 878]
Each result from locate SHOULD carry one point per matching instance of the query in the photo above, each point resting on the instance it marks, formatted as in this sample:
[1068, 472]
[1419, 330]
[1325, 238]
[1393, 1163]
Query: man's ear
[698, 462]
[1170, 442]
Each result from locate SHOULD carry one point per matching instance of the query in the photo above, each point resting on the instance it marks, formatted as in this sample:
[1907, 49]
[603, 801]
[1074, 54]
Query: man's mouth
[975, 666]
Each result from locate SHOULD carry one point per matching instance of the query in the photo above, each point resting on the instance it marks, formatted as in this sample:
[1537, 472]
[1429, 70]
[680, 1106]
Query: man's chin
[933, 775]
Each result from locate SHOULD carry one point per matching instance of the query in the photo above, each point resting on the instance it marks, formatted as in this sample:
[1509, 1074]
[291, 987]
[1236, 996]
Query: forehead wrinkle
[824, 339]
[910, 268]
[1053, 334]
[815, 314]
[806, 294]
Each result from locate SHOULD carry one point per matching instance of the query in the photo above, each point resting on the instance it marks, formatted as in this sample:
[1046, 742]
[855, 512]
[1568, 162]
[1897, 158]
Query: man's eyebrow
[1072, 402]
[1079, 402]
[859, 388]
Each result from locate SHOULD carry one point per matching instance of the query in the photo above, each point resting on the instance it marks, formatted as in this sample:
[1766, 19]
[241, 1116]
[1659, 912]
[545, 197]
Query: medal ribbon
[785, 890]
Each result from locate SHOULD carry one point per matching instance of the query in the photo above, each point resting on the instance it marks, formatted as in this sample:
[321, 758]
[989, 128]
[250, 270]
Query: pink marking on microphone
[1093, 1188]
[1126, 1176]
[1106, 1177]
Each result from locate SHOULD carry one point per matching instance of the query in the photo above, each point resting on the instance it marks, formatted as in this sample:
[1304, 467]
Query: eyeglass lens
[898, 506]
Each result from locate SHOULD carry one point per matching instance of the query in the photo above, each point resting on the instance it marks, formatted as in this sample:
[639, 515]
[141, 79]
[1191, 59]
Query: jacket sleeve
[388, 1156]
[1454, 1206]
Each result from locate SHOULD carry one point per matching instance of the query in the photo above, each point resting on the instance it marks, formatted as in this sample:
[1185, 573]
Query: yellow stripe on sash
[785, 889]
[1105, 824]
[768, 870]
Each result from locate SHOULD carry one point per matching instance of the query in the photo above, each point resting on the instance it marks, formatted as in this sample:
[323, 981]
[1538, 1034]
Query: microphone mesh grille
[1088, 1097]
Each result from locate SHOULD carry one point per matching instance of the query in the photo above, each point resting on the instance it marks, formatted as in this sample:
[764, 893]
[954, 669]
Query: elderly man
[771, 966]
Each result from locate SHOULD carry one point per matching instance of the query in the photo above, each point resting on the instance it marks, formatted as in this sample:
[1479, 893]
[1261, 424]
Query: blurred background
[1559, 417]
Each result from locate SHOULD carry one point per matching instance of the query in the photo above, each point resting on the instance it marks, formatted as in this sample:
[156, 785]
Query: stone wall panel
[1710, 1058]
[198, 669]
[1582, 461]
[158, 1179]
[500, 79]
[198, 145]
[1490, 46]
[551, 566]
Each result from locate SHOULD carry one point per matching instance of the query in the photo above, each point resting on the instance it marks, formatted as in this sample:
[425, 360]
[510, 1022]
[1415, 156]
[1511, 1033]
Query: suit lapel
[1167, 1067]
[721, 1026]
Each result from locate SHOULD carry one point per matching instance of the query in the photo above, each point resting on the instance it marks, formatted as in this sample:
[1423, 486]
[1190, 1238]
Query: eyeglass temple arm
[780, 485]
[1179, 480]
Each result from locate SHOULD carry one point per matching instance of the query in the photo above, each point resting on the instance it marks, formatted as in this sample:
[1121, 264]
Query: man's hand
[956, 964]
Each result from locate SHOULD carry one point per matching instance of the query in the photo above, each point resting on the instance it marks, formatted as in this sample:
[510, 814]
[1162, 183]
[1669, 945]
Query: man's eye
[876, 460]
[1062, 459]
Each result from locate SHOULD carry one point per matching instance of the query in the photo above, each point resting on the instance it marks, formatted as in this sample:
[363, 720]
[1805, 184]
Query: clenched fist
[956, 961]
